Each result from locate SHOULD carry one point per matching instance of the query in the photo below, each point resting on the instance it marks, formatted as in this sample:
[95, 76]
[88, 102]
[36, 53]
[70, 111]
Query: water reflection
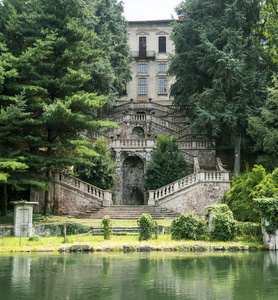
[153, 276]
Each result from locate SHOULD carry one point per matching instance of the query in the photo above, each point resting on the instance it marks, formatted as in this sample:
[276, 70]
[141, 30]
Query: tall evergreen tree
[54, 47]
[168, 164]
[217, 68]
[264, 130]
[267, 33]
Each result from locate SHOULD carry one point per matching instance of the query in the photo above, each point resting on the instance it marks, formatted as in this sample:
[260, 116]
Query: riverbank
[120, 243]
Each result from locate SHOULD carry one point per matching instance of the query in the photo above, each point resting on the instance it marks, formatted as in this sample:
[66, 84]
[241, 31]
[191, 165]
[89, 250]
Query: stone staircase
[129, 212]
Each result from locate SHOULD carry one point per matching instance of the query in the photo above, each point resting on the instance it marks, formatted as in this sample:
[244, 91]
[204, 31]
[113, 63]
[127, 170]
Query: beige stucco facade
[149, 69]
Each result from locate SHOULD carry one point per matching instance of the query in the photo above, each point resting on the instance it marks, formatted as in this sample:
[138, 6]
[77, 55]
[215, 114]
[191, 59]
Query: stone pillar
[107, 201]
[23, 217]
[151, 201]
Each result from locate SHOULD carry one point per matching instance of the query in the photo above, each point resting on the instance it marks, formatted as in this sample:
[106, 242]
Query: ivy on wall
[223, 223]
[269, 212]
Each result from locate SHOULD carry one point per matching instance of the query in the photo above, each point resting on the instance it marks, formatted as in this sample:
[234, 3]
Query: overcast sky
[140, 10]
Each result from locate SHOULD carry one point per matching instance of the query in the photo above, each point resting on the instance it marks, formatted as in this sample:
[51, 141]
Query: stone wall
[6, 230]
[66, 200]
[196, 197]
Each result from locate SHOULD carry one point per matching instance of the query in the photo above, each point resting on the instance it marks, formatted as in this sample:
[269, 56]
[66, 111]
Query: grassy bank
[117, 243]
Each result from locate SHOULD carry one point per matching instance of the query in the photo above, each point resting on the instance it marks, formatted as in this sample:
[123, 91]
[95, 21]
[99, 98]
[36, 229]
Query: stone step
[128, 212]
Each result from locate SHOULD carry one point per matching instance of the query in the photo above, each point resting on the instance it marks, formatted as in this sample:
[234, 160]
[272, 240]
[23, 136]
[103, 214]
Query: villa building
[144, 112]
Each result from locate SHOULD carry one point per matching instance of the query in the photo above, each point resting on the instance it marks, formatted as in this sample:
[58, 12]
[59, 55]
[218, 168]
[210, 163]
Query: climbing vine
[269, 212]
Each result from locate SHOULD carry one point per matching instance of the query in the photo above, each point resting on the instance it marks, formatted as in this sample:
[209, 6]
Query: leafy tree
[264, 130]
[102, 170]
[50, 49]
[248, 187]
[168, 164]
[217, 67]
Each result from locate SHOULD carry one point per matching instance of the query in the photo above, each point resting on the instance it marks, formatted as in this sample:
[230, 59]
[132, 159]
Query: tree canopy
[59, 68]
[218, 70]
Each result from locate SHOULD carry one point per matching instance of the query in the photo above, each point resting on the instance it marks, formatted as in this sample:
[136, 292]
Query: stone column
[151, 201]
[23, 217]
[107, 201]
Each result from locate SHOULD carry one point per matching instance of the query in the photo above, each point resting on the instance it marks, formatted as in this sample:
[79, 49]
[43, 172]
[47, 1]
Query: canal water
[156, 276]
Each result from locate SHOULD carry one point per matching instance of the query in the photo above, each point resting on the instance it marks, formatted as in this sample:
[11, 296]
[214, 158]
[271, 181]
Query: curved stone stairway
[129, 212]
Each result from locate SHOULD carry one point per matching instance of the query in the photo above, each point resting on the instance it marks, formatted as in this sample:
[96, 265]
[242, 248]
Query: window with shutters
[162, 44]
[142, 86]
[162, 86]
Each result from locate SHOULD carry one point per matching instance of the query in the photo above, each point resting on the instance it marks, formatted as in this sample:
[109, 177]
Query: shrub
[223, 223]
[188, 226]
[34, 238]
[249, 229]
[107, 230]
[148, 227]
[76, 228]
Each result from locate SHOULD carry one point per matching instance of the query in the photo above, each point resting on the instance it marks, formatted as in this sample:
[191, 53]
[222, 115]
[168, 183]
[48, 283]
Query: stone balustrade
[198, 177]
[142, 105]
[132, 143]
[166, 124]
[138, 117]
[196, 145]
[150, 143]
[102, 195]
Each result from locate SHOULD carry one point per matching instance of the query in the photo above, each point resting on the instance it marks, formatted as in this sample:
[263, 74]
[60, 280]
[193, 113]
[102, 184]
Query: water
[156, 276]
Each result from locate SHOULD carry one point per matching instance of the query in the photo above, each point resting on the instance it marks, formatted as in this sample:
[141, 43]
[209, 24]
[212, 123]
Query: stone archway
[138, 133]
[133, 168]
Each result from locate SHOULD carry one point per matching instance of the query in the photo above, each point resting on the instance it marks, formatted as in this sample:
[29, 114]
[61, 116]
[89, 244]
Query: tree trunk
[237, 155]
[46, 207]
[4, 203]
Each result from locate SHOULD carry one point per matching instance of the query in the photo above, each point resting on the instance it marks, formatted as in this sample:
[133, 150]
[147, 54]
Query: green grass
[12, 244]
